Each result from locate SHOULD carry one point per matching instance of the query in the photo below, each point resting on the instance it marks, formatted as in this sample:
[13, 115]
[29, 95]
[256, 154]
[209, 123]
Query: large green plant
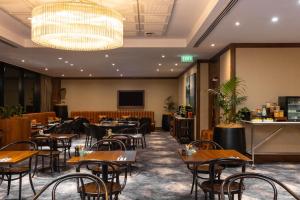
[10, 111]
[228, 96]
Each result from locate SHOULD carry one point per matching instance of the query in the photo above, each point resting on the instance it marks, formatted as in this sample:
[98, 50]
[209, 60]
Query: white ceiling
[177, 25]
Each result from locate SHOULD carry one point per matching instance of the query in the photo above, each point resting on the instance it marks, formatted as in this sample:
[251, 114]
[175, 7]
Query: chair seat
[204, 169]
[98, 170]
[48, 153]
[14, 170]
[207, 186]
[91, 188]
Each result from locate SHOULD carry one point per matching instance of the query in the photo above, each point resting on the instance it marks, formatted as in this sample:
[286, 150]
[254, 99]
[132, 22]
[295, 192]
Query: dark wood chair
[107, 145]
[129, 141]
[214, 184]
[99, 187]
[47, 149]
[87, 134]
[229, 181]
[142, 129]
[7, 172]
[198, 170]
[114, 185]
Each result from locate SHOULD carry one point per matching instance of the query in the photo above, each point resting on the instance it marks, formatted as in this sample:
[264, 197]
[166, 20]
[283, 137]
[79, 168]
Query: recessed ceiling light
[124, 19]
[274, 19]
[62, 75]
[23, 60]
[46, 69]
[163, 56]
[90, 75]
[81, 70]
[117, 70]
[159, 64]
[60, 58]
[66, 62]
[172, 70]
[113, 64]
[157, 70]
[176, 64]
[299, 2]
[237, 23]
[121, 75]
[212, 45]
[71, 64]
[106, 55]
[29, 18]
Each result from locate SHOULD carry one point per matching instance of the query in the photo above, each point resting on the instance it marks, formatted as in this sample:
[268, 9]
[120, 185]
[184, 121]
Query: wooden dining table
[204, 156]
[14, 157]
[129, 157]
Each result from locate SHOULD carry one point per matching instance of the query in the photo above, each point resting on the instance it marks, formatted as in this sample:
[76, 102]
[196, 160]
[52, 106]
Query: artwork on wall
[191, 91]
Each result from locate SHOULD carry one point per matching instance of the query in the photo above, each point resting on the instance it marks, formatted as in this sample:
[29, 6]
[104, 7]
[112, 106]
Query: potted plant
[244, 114]
[229, 133]
[170, 105]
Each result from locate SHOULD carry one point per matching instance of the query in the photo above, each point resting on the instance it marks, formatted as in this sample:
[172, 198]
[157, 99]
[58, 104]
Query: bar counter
[272, 138]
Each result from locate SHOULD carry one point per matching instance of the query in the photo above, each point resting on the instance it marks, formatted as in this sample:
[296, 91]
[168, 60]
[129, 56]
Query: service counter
[272, 138]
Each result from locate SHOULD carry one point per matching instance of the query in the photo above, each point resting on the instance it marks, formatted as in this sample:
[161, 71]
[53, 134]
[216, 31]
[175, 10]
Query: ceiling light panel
[151, 12]
[156, 6]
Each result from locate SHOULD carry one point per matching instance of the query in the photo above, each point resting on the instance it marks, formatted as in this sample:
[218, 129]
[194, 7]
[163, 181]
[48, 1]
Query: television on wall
[131, 99]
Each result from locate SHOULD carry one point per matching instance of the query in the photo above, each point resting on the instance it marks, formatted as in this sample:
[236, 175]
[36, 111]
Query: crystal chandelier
[77, 26]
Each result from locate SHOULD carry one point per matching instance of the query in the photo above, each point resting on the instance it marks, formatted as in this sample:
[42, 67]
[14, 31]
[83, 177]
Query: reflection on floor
[160, 174]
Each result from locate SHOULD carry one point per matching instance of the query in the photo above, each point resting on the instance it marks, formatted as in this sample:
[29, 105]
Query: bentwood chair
[142, 129]
[129, 141]
[99, 187]
[229, 181]
[11, 173]
[214, 184]
[113, 183]
[198, 170]
[47, 149]
[107, 145]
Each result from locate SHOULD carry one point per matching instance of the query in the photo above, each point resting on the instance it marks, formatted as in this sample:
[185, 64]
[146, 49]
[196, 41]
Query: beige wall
[225, 66]
[182, 85]
[101, 95]
[268, 73]
[203, 93]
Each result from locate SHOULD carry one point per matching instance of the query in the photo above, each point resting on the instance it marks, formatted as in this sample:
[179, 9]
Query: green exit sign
[187, 59]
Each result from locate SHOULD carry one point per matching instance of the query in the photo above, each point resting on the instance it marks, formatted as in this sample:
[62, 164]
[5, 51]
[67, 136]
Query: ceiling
[141, 17]
[175, 25]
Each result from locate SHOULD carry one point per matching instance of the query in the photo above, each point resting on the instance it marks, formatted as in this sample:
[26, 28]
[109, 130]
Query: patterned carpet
[160, 174]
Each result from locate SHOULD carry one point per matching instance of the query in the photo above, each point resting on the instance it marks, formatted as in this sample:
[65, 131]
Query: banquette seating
[93, 116]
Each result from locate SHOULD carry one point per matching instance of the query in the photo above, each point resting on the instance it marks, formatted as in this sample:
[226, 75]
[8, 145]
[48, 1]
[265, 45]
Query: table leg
[252, 147]
[196, 183]
[105, 172]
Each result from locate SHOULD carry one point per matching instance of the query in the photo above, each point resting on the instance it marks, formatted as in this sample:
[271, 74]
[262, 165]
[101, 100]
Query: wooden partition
[41, 117]
[93, 116]
[15, 129]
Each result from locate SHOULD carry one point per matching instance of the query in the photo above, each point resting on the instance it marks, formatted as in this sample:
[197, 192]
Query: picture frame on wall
[191, 91]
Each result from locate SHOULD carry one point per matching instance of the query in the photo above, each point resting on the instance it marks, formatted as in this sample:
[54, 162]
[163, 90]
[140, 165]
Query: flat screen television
[131, 99]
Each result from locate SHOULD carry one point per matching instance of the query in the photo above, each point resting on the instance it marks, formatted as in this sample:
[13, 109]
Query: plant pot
[231, 138]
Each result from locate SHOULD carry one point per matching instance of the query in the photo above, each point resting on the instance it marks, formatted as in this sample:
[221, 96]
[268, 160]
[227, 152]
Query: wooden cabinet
[182, 129]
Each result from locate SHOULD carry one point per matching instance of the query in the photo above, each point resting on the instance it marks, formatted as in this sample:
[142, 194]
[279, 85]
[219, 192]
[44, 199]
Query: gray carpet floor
[160, 174]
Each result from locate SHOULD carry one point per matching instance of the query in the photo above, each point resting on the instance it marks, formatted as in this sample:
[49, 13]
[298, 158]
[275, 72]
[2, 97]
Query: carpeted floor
[160, 174]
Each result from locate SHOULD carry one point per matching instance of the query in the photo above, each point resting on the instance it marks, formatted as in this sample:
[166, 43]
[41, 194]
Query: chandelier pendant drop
[77, 26]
